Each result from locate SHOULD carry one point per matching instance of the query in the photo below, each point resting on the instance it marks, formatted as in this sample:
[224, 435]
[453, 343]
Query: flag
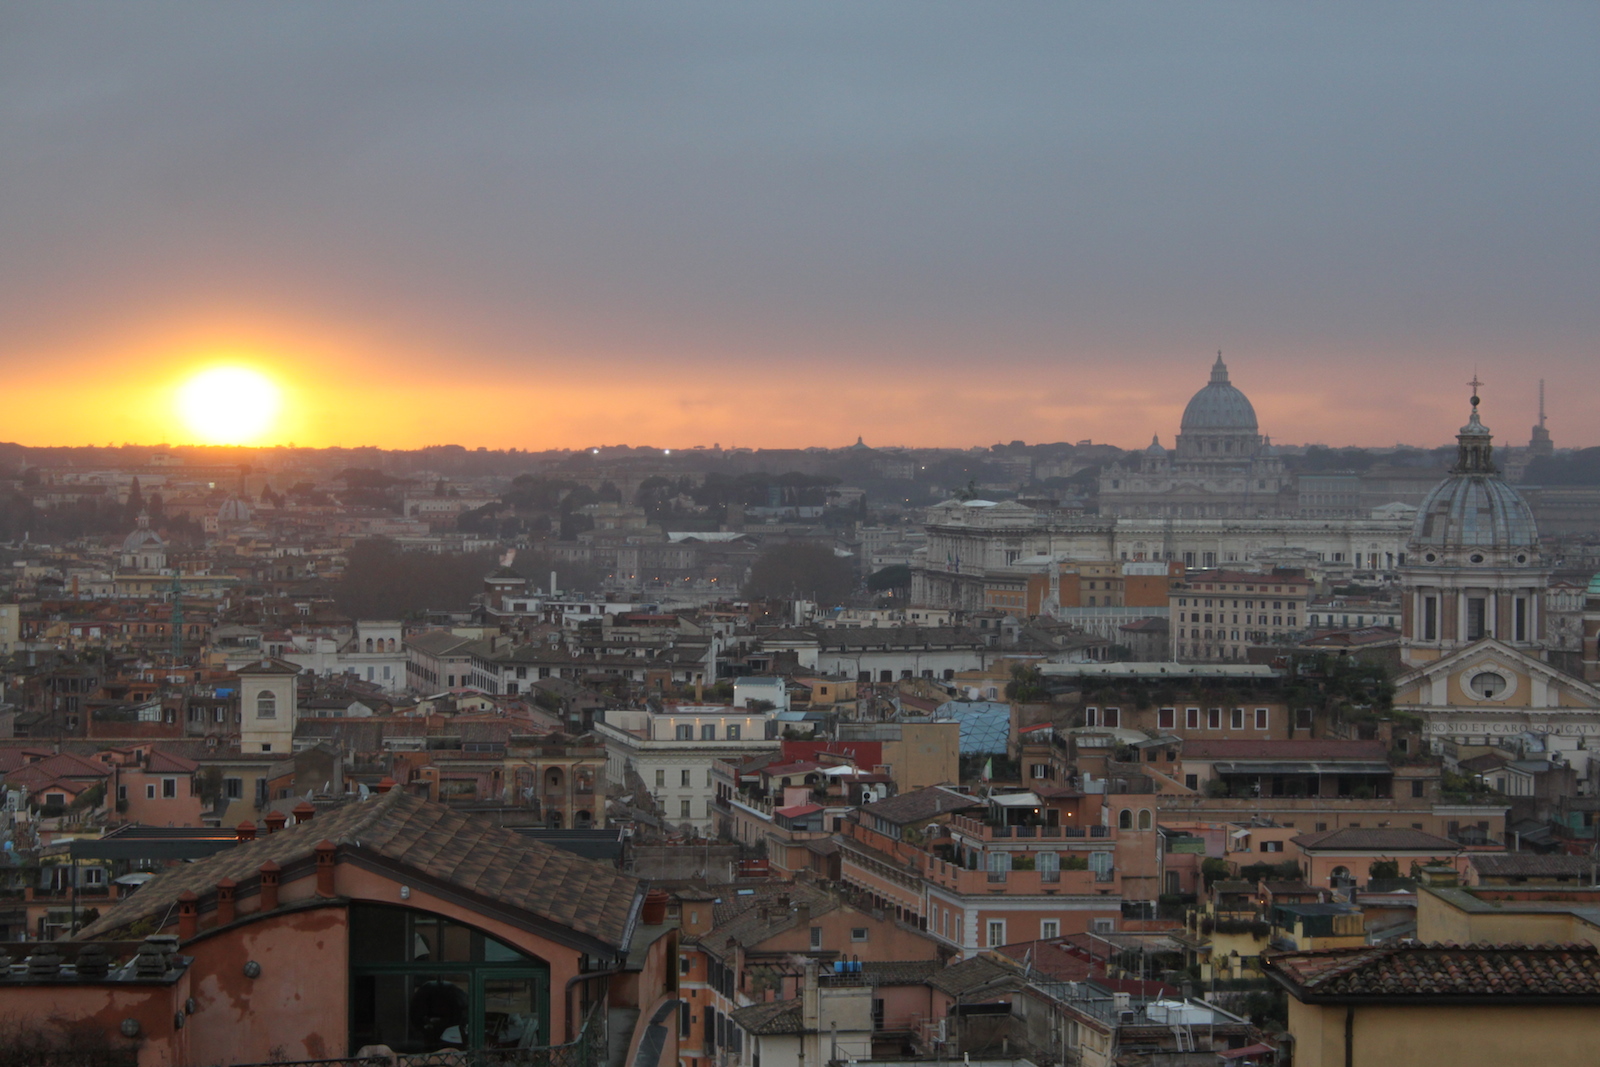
[988, 768]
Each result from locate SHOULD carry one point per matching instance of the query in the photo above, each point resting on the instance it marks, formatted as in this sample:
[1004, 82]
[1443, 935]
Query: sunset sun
[229, 405]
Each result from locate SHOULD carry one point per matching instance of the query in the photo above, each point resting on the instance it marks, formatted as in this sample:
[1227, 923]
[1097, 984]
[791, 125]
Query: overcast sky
[545, 225]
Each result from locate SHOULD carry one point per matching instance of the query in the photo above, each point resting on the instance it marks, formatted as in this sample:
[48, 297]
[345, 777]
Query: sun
[229, 405]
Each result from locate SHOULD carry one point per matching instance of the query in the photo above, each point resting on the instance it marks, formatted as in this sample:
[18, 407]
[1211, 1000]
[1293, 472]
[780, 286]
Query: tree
[1213, 868]
[801, 572]
[895, 577]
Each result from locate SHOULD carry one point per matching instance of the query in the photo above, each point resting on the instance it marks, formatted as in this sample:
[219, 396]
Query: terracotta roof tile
[464, 851]
[1442, 970]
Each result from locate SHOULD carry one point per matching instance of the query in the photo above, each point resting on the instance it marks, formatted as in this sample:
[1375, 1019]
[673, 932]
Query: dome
[1473, 507]
[142, 536]
[1474, 511]
[1155, 448]
[1219, 406]
[233, 512]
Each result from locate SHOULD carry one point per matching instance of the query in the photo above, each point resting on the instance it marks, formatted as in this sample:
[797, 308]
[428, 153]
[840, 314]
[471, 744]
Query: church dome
[233, 512]
[1473, 507]
[142, 537]
[1219, 406]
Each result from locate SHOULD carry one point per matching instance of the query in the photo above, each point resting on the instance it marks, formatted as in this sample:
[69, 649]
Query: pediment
[1525, 680]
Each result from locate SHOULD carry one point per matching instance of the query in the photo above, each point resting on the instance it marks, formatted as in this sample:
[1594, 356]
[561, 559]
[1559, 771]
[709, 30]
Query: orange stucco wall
[101, 1008]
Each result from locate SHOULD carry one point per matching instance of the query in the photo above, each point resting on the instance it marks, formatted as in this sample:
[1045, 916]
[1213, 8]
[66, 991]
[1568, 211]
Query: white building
[672, 750]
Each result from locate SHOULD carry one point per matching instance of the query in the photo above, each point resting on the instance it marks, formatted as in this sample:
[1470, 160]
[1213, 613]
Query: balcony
[1022, 883]
[989, 831]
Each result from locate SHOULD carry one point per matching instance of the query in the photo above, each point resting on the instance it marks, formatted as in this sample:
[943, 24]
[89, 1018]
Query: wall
[101, 1009]
[1461, 1037]
[296, 1009]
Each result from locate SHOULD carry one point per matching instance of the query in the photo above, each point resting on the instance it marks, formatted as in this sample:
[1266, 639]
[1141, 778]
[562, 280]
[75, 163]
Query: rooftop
[1472, 973]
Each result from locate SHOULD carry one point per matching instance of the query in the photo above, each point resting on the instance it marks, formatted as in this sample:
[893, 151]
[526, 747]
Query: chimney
[802, 913]
[275, 821]
[188, 915]
[325, 858]
[226, 906]
[270, 873]
[246, 831]
[303, 812]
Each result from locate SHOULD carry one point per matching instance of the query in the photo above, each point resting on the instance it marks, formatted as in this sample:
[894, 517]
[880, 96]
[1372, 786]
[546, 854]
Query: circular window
[1487, 685]
[1476, 557]
[1430, 557]
[1522, 559]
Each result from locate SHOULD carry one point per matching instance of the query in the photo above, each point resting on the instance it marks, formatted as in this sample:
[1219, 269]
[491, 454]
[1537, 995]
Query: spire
[1474, 444]
[1219, 371]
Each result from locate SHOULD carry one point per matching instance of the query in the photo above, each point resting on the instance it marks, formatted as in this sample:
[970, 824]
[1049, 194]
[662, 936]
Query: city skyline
[538, 227]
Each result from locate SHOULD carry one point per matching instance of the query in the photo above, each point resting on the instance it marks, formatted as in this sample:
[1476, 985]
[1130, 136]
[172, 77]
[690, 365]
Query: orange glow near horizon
[333, 388]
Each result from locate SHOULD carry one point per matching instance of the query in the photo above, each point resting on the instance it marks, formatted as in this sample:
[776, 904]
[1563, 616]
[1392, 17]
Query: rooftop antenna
[1541, 403]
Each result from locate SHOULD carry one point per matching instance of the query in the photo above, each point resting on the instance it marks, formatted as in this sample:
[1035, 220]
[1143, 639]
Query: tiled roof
[899, 972]
[1376, 838]
[921, 804]
[774, 1017]
[1396, 972]
[742, 920]
[1308, 749]
[979, 972]
[468, 853]
[1530, 865]
[170, 763]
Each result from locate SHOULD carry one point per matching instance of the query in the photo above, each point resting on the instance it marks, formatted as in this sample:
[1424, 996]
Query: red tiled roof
[1286, 750]
[1397, 972]
[169, 763]
[797, 811]
[1376, 838]
[468, 853]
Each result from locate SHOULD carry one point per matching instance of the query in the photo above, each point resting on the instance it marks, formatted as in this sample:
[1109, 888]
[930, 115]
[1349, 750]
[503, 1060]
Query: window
[1519, 617]
[997, 933]
[1144, 819]
[1125, 819]
[1192, 781]
[683, 778]
[1417, 787]
[1261, 718]
[1091, 716]
[419, 983]
[1191, 718]
[661, 779]
[266, 705]
[816, 938]
[122, 793]
[169, 788]
[733, 732]
[1049, 928]
[708, 732]
[1272, 846]
[1476, 614]
[684, 732]
[858, 933]
[1303, 717]
[1166, 719]
[683, 809]
[94, 876]
[150, 791]
[1237, 719]
[233, 788]
[1214, 719]
[1112, 718]
[1487, 685]
[1040, 770]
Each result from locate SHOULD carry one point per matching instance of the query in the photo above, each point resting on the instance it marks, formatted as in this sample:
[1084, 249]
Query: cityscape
[1228, 708]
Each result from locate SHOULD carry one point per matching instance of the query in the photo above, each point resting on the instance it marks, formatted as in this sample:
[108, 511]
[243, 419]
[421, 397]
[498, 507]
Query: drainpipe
[1349, 1035]
[572, 1031]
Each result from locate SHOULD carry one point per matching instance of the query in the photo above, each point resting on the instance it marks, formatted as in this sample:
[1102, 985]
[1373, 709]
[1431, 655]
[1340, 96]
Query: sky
[779, 225]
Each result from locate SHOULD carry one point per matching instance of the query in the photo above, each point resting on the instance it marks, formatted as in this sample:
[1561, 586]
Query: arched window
[369, 644]
[1339, 877]
[391, 644]
[1125, 819]
[1144, 819]
[420, 982]
[266, 705]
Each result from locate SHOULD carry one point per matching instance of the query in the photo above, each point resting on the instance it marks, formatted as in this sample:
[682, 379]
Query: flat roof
[1159, 670]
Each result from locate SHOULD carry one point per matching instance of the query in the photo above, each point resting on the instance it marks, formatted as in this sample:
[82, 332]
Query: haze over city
[542, 227]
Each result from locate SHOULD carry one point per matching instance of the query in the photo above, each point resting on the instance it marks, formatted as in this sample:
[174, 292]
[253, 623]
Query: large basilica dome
[1219, 406]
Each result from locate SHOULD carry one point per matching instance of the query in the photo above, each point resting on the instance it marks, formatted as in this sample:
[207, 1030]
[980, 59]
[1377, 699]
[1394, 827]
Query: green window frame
[420, 982]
